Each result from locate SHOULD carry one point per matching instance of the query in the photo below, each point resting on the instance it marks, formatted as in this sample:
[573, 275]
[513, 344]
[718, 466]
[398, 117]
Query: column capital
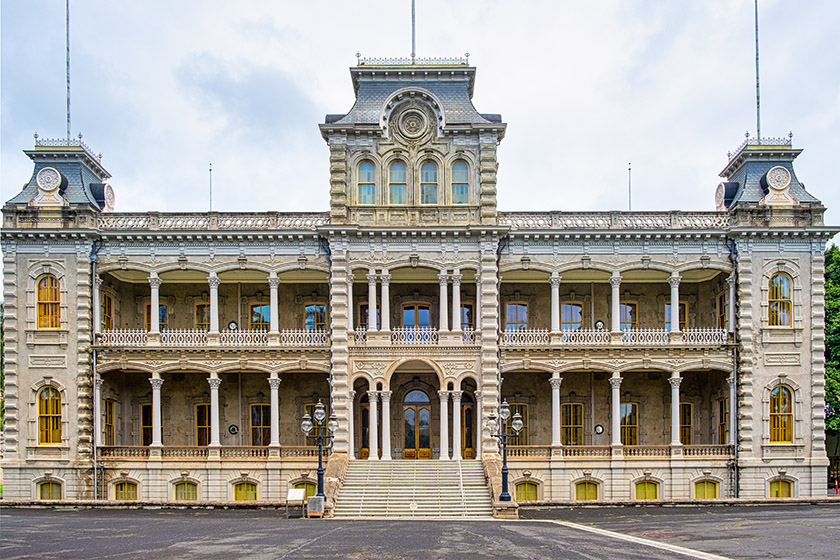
[372, 278]
[674, 280]
[350, 277]
[730, 381]
[615, 382]
[373, 395]
[615, 279]
[154, 281]
[274, 382]
[456, 395]
[456, 279]
[385, 396]
[98, 281]
[273, 282]
[555, 382]
[555, 281]
[156, 382]
[385, 279]
[478, 395]
[730, 280]
[98, 383]
[214, 382]
[351, 394]
[213, 280]
[443, 395]
[675, 382]
[443, 279]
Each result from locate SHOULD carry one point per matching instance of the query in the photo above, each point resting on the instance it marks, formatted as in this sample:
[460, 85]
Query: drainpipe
[503, 243]
[325, 246]
[733, 464]
[94, 252]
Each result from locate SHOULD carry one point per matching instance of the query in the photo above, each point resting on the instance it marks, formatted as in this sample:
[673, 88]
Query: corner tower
[413, 149]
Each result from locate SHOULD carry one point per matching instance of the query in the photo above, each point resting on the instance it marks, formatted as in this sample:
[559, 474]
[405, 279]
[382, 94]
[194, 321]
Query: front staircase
[402, 488]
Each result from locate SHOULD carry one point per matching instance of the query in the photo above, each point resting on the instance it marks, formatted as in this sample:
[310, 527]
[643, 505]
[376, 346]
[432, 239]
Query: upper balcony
[544, 338]
[200, 338]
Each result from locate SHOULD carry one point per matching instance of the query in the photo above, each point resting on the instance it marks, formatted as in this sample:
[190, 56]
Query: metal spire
[629, 187]
[413, 35]
[757, 89]
[67, 12]
[211, 187]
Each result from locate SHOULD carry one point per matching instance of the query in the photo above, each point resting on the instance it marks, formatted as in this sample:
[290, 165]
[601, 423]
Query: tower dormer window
[460, 183]
[396, 183]
[367, 185]
[429, 183]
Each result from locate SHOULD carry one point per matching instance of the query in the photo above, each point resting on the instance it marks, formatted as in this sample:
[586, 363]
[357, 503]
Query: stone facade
[572, 318]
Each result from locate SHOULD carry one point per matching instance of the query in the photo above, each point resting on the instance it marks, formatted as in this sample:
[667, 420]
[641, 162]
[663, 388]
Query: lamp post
[493, 425]
[306, 425]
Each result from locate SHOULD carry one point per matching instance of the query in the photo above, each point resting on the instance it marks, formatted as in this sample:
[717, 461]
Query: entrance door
[364, 431]
[417, 415]
[467, 424]
[416, 317]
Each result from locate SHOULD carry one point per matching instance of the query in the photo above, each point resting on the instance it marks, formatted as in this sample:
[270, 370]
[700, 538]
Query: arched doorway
[468, 426]
[417, 420]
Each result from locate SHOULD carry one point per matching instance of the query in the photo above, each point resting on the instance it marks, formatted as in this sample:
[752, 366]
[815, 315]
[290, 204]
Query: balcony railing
[414, 335]
[197, 338]
[539, 338]
[183, 337]
[586, 337]
[304, 338]
[526, 337]
[646, 337]
[704, 336]
[243, 338]
[129, 453]
[582, 452]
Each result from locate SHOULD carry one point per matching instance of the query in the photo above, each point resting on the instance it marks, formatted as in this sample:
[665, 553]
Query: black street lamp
[493, 425]
[320, 437]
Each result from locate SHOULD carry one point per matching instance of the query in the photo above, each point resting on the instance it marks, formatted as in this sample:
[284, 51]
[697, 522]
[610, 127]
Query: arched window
[125, 491]
[705, 490]
[428, 183]
[460, 183]
[186, 490]
[781, 415]
[779, 300]
[647, 490]
[49, 416]
[781, 489]
[49, 490]
[586, 490]
[396, 183]
[310, 487]
[527, 491]
[367, 185]
[49, 302]
[244, 491]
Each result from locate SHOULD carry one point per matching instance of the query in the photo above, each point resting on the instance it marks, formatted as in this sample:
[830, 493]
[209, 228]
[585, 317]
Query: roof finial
[413, 43]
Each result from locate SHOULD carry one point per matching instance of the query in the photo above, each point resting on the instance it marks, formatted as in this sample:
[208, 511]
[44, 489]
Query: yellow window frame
[628, 314]
[107, 312]
[586, 491]
[245, 491]
[571, 416]
[260, 424]
[202, 424]
[125, 490]
[310, 487]
[109, 422]
[526, 491]
[49, 302]
[705, 490]
[147, 429]
[686, 423]
[164, 323]
[567, 323]
[49, 490]
[647, 490]
[467, 317]
[319, 322]
[186, 491]
[629, 423]
[518, 320]
[779, 300]
[781, 488]
[49, 416]
[262, 323]
[781, 415]
[721, 310]
[202, 316]
[723, 422]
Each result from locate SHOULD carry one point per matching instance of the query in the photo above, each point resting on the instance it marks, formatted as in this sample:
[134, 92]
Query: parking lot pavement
[777, 531]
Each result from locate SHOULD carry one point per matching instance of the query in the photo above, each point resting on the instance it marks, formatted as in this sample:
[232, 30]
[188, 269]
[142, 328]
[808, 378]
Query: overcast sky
[163, 88]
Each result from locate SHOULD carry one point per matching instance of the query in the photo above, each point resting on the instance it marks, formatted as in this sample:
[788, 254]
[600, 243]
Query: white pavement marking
[639, 540]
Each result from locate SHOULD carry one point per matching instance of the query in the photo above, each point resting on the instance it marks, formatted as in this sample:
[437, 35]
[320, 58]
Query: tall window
[781, 415]
[586, 490]
[683, 315]
[260, 317]
[315, 317]
[781, 489]
[571, 316]
[202, 316]
[309, 409]
[723, 422]
[467, 318]
[416, 316]
[526, 491]
[522, 438]
[629, 424]
[647, 490]
[244, 491]
[109, 422]
[705, 490]
[49, 302]
[627, 316]
[107, 312]
[363, 317]
[49, 490]
[428, 183]
[163, 317]
[367, 184]
[260, 424]
[202, 424]
[146, 424]
[516, 317]
[460, 183]
[310, 487]
[779, 300]
[572, 418]
[396, 183]
[186, 490]
[685, 423]
[721, 310]
[125, 491]
[49, 416]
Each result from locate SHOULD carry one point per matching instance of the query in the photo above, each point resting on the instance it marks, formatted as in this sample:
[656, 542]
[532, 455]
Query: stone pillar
[213, 281]
[555, 409]
[478, 427]
[443, 278]
[97, 307]
[215, 439]
[274, 385]
[373, 436]
[273, 286]
[732, 425]
[385, 278]
[615, 283]
[456, 425]
[97, 408]
[477, 310]
[555, 302]
[456, 300]
[675, 381]
[674, 282]
[386, 425]
[615, 382]
[730, 304]
[444, 418]
[371, 319]
[154, 311]
[350, 311]
[350, 423]
[156, 382]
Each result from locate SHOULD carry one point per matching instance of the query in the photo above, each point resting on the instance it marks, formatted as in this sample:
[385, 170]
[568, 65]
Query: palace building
[650, 355]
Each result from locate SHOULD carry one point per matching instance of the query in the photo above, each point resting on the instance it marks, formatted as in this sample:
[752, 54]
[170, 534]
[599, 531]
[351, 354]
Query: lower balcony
[134, 453]
[196, 338]
[544, 338]
[630, 452]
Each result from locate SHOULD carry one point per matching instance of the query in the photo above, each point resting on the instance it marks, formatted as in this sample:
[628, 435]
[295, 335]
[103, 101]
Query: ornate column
[97, 308]
[477, 311]
[615, 283]
[443, 278]
[386, 425]
[456, 300]
[444, 424]
[385, 314]
[154, 307]
[730, 304]
[674, 282]
[373, 435]
[350, 424]
[274, 385]
[615, 383]
[350, 325]
[273, 286]
[371, 319]
[156, 382]
[478, 427]
[732, 426]
[213, 281]
[214, 382]
[555, 409]
[97, 417]
[555, 302]
[456, 425]
[675, 381]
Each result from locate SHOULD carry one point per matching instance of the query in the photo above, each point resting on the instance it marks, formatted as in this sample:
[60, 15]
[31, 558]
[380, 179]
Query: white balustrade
[243, 338]
[303, 337]
[526, 337]
[414, 335]
[586, 337]
[360, 337]
[470, 337]
[703, 336]
[183, 337]
[646, 337]
[123, 337]
[615, 220]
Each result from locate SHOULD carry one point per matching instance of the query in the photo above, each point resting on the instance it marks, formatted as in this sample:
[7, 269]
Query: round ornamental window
[48, 179]
[413, 123]
[778, 178]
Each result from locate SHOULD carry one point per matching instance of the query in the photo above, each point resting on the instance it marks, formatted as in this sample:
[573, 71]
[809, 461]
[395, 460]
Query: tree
[832, 339]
